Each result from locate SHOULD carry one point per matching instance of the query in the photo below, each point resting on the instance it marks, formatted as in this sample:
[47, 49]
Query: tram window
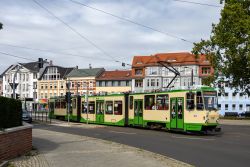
[84, 107]
[74, 103]
[199, 101]
[63, 104]
[162, 102]
[109, 107]
[99, 107]
[118, 107]
[190, 101]
[131, 102]
[150, 102]
[57, 104]
[91, 107]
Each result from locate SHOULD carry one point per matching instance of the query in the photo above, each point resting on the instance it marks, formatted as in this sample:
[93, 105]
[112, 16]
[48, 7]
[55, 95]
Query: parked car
[27, 116]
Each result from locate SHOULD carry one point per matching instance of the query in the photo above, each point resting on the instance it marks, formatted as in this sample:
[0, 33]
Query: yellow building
[52, 83]
[114, 82]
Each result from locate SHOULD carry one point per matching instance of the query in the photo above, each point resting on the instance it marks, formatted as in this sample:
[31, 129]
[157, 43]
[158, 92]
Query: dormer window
[138, 72]
[206, 70]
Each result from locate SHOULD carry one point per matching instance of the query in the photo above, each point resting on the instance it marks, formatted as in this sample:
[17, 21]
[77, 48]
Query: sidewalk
[65, 150]
[234, 122]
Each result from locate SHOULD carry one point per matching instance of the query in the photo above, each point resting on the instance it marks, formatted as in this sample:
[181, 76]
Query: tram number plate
[195, 115]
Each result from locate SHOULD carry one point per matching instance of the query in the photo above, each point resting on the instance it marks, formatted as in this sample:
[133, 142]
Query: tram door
[99, 111]
[138, 112]
[177, 113]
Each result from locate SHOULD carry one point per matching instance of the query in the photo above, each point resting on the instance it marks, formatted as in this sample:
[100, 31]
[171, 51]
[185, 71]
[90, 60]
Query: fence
[43, 116]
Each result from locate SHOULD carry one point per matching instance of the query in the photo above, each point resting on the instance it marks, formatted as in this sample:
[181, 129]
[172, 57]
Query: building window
[157, 82]
[240, 106]
[119, 83]
[118, 107]
[138, 72]
[127, 83]
[46, 95]
[219, 106]
[219, 94]
[152, 82]
[153, 71]
[206, 70]
[41, 95]
[233, 106]
[226, 106]
[54, 94]
[234, 94]
[46, 86]
[113, 83]
[190, 101]
[162, 102]
[109, 107]
[241, 94]
[226, 94]
[138, 83]
[100, 83]
[149, 102]
[50, 86]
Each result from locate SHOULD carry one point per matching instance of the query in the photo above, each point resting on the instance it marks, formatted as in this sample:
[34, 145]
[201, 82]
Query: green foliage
[1, 25]
[10, 113]
[228, 48]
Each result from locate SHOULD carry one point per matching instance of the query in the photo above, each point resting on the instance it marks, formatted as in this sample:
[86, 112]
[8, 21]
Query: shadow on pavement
[44, 145]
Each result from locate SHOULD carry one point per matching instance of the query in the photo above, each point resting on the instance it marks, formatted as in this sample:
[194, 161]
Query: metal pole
[68, 100]
[87, 100]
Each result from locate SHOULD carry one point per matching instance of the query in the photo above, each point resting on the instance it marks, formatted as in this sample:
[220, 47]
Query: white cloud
[26, 24]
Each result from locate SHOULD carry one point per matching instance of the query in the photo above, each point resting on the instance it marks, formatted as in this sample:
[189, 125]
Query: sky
[100, 39]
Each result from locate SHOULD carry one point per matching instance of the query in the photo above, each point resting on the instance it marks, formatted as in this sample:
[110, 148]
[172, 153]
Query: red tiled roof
[115, 75]
[184, 58]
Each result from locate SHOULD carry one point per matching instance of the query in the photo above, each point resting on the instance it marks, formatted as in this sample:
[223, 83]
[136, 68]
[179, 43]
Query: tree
[1, 25]
[228, 48]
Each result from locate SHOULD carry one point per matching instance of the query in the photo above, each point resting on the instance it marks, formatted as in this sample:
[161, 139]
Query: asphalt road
[230, 148]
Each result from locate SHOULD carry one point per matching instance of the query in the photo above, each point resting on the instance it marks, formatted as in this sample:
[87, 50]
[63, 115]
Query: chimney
[76, 67]
[51, 63]
[90, 67]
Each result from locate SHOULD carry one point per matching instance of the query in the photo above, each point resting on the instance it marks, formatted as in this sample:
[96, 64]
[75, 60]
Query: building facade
[83, 81]
[150, 72]
[230, 101]
[51, 83]
[114, 81]
[26, 80]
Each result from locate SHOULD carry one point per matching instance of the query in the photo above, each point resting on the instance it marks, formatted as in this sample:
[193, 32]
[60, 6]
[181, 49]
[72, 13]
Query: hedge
[10, 113]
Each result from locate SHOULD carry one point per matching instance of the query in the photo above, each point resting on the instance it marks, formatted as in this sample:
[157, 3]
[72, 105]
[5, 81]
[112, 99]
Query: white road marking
[127, 133]
[192, 138]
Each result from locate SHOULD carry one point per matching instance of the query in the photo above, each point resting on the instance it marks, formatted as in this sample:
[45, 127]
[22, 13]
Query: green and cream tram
[182, 110]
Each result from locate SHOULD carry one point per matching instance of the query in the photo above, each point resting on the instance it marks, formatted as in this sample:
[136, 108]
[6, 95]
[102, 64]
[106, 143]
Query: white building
[229, 101]
[148, 74]
[26, 78]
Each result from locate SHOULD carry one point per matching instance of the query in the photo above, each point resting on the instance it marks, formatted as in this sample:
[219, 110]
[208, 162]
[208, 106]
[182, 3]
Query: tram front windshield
[210, 100]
